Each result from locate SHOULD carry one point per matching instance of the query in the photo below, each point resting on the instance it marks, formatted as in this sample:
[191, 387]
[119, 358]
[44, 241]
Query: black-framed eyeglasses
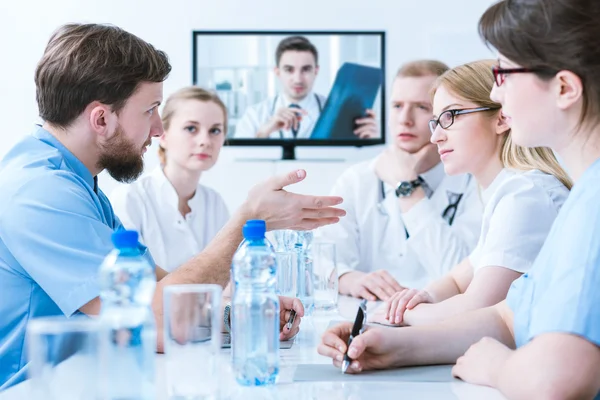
[500, 73]
[446, 119]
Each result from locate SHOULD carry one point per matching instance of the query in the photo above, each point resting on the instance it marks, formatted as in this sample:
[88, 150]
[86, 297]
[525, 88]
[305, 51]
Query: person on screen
[293, 113]
[56, 223]
[407, 221]
[175, 215]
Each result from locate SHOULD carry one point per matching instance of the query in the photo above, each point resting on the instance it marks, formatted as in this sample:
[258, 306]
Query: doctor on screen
[293, 113]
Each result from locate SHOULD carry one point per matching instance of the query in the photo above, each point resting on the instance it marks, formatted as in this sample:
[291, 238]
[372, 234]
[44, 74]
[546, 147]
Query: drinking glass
[325, 274]
[64, 358]
[287, 273]
[192, 340]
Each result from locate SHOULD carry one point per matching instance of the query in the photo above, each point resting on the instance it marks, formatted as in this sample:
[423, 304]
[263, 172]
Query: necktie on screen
[296, 129]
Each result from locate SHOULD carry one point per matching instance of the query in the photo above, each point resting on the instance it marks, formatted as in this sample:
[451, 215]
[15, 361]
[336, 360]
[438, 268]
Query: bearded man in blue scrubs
[98, 90]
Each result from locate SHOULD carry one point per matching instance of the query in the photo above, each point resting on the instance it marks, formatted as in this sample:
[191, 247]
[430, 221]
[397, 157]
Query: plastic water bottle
[255, 310]
[261, 224]
[127, 284]
[245, 242]
[305, 271]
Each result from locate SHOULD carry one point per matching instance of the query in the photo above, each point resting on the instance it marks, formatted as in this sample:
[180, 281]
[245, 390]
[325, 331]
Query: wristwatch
[406, 188]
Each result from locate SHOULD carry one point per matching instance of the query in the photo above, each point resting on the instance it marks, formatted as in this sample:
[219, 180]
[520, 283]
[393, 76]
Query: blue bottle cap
[254, 229]
[258, 222]
[125, 239]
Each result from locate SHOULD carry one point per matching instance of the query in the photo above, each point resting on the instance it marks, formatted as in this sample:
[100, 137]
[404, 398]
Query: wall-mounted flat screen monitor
[295, 88]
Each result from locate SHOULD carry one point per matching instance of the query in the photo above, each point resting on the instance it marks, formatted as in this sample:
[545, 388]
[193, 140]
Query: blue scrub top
[55, 230]
[561, 293]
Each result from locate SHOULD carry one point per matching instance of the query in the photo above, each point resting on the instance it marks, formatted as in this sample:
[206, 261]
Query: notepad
[328, 373]
[334, 322]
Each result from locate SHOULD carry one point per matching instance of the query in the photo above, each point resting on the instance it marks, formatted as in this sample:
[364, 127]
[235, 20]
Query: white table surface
[304, 352]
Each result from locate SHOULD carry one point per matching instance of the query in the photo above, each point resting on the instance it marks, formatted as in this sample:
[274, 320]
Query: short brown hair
[295, 43]
[419, 68]
[188, 93]
[550, 36]
[83, 63]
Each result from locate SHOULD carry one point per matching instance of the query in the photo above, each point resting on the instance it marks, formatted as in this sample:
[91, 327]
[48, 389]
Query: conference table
[329, 383]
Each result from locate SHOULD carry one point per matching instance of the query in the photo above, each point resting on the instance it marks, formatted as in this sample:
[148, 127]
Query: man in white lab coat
[407, 221]
[293, 113]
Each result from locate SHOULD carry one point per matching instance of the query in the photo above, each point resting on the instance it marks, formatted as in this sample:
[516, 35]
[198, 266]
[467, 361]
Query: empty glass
[325, 275]
[287, 273]
[65, 357]
[192, 340]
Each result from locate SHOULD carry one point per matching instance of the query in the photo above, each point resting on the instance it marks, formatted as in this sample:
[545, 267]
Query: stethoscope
[275, 103]
[448, 214]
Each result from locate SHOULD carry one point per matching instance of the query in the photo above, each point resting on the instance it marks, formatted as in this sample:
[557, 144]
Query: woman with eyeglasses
[543, 342]
[522, 190]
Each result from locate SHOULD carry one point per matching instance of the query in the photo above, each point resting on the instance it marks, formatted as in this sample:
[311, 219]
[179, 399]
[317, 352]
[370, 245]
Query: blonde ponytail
[526, 158]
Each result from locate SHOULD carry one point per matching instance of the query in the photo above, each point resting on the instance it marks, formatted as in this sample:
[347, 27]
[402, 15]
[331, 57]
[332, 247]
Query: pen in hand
[356, 330]
[290, 322]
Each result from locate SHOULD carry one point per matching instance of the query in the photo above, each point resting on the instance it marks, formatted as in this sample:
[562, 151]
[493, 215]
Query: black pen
[356, 330]
[291, 320]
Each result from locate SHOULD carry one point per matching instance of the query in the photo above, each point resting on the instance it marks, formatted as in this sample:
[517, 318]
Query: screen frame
[290, 143]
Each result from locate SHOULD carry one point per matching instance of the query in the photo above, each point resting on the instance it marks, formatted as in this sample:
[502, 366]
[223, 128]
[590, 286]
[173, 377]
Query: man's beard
[121, 158]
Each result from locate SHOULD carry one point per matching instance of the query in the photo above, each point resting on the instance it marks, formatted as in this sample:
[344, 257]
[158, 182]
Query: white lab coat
[520, 208]
[372, 235]
[256, 115]
[150, 206]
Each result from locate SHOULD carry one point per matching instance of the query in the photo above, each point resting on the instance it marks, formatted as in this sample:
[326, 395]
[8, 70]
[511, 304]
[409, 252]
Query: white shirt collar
[501, 177]
[434, 176]
[168, 192]
[306, 103]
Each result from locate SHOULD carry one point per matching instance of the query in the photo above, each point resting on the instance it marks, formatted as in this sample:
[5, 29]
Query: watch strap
[408, 186]
[227, 317]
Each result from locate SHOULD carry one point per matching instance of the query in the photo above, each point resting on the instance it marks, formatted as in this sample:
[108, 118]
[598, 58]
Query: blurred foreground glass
[325, 275]
[287, 273]
[192, 340]
[65, 358]
[283, 239]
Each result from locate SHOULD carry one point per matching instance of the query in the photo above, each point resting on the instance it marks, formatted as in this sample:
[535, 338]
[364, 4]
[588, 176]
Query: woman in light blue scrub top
[543, 341]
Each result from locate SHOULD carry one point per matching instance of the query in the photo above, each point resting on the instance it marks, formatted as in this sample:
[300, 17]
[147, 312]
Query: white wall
[446, 30]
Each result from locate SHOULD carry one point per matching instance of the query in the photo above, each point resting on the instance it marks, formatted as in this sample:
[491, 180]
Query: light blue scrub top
[55, 230]
[561, 293]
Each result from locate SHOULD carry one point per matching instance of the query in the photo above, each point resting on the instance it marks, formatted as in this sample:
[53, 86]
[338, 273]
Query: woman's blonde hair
[473, 82]
[187, 93]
